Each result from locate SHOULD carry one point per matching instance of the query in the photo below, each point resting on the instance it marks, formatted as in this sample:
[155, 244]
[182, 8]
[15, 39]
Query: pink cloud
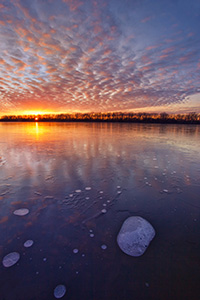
[146, 19]
[168, 50]
[151, 47]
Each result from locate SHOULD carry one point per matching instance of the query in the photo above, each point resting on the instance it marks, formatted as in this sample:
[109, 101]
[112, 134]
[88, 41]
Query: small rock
[75, 251]
[135, 235]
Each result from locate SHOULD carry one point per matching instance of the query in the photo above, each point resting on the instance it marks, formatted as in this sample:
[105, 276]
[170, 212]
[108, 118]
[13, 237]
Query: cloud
[146, 19]
[90, 56]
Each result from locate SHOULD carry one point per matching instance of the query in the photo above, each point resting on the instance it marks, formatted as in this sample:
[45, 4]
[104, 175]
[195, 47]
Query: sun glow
[34, 112]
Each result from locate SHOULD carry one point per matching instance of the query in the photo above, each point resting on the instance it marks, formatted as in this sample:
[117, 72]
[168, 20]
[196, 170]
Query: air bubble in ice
[11, 259]
[59, 291]
[104, 247]
[21, 212]
[88, 188]
[28, 243]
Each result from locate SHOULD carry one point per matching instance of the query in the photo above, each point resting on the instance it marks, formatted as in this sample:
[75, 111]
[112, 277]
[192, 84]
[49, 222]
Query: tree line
[191, 117]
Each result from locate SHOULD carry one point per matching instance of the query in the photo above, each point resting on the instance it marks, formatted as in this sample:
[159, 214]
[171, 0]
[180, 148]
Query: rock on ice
[135, 235]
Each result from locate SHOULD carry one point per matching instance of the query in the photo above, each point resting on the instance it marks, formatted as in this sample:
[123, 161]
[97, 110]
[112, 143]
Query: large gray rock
[135, 235]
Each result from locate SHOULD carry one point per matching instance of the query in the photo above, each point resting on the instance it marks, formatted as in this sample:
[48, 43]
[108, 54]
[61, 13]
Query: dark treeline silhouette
[192, 117]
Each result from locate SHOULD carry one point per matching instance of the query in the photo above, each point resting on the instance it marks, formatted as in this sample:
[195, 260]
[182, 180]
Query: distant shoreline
[103, 121]
[118, 117]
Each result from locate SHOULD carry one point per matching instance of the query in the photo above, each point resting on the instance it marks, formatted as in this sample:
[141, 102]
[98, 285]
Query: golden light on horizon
[34, 112]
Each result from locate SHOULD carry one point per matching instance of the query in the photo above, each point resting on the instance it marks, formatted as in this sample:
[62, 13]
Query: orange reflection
[36, 129]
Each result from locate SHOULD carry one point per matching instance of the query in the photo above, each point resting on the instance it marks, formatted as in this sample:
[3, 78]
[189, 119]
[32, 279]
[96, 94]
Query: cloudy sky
[97, 55]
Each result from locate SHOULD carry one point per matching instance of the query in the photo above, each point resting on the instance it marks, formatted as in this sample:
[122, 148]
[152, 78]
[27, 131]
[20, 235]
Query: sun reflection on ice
[36, 129]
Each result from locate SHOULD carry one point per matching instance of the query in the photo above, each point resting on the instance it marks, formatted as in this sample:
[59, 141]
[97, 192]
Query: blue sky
[66, 55]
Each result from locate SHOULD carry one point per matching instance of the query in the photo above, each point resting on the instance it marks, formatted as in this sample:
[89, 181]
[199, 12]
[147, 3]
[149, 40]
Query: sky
[96, 55]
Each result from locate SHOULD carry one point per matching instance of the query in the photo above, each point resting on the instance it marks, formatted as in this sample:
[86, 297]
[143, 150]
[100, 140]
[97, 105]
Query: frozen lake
[76, 184]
